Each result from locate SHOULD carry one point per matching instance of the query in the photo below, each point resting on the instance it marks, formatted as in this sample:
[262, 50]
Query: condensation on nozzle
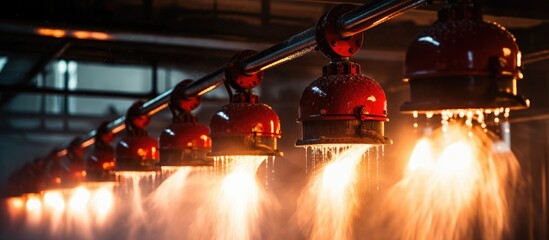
[343, 107]
[245, 128]
[463, 62]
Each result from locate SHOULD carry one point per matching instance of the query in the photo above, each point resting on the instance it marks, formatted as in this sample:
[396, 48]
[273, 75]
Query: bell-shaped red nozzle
[101, 163]
[343, 107]
[463, 62]
[185, 142]
[136, 151]
[245, 127]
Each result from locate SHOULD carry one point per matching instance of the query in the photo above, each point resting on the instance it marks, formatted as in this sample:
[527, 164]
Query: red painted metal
[244, 119]
[75, 164]
[136, 151]
[245, 127]
[461, 43]
[235, 75]
[101, 163]
[178, 100]
[186, 135]
[343, 107]
[462, 61]
[185, 141]
[343, 93]
[327, 36]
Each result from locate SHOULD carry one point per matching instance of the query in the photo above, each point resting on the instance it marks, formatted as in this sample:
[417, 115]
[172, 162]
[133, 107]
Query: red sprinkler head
[186, 141]
[462, 62]
[75, 163]
[244, 126]
[136, 151]
[101, 163]
[343, 106]
[55, 170]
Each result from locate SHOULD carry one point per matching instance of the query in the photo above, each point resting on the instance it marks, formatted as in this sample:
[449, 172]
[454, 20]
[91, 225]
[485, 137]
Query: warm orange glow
[102, 202]
[153, 152]
[15, 207]
[79, 199]
[118, 129]
[159, 108]
[51, 32]
[421, 156]
[16, 202]
[99, 35]
[132, 175]
[239, 199]
[34, 209]
[33, 204]
[204, 137]
[326, 207]
[109, 165]
[141, 152]
[81, 34]
[90, 35]
[232, 206]
[459, 184]
[88, 143]
[54, 200]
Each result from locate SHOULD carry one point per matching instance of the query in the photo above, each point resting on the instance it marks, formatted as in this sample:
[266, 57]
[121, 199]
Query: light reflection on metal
[463, 61]
[58, 33]
[342, 106]
[355, 22]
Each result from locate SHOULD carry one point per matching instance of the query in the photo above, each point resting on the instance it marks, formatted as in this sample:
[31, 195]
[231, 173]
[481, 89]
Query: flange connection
[185, 142]
[343, 106]
[244, 126]
[137, 151]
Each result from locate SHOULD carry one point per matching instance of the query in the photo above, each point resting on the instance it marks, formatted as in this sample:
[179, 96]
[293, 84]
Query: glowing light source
[239, 200]
[51, 32]
[102, 202]
[326, 207]
[16, 202]
[458, 185]
[79, 199]
[33, 204]
[54, 200]
[233, 206]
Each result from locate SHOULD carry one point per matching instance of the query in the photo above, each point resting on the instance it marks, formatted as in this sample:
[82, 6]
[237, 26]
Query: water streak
[459, 184]
[327, 206]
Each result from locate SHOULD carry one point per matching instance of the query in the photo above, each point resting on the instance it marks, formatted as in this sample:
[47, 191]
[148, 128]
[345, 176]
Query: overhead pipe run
[355, 21]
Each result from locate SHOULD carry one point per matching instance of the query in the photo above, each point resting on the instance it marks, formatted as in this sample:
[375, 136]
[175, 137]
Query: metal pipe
[206, 83]
[292, 48]
[356, 21]
[369, 15]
